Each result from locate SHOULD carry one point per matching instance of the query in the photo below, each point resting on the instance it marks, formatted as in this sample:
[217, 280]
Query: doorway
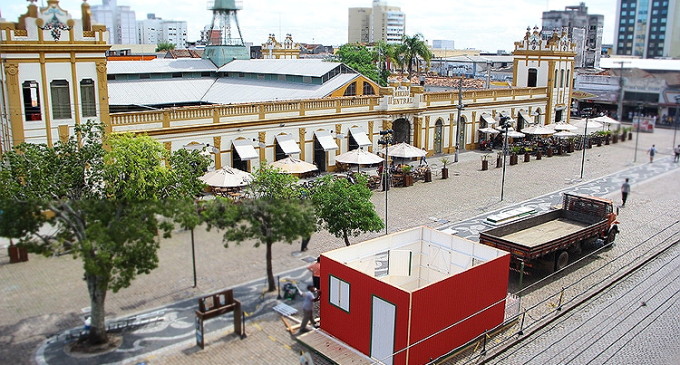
[382, 330]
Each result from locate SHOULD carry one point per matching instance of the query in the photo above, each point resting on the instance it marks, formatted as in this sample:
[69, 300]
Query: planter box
[408, 180]
[445, 173]
[539, 155]
[527, 157]
[550, 152]
[485, 165]
[513, 159]
[499, 162]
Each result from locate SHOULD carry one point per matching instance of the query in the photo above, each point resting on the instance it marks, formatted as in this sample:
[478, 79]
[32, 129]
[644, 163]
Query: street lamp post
[385, 140]
[460, 108]
[585, 136]
[637, 131]
[676, 119]
[505, 124]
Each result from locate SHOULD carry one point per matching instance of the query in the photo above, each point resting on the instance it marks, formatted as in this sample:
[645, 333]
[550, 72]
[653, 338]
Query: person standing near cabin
[308, 300]
[315, 268]
[625, 190]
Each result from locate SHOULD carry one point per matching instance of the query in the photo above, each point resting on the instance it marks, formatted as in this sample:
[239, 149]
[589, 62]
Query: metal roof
[161, 91]
[299, 67]
[231, 91]
[644, 64]
[160, 65]
[221, 91]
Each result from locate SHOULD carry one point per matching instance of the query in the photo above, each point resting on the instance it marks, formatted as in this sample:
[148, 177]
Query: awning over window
[360, 137]
[245, 149]
[488, 119]
[326, 140]
[287, 144]
[525, 116]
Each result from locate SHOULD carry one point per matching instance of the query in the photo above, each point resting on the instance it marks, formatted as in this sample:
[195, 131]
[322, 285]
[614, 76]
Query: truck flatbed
[545, 232]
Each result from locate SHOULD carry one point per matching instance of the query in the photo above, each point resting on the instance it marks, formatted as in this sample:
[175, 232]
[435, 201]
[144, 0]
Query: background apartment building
[120, 21]
[584, 29]
[153, 30]
[648, 28]
[380, 22]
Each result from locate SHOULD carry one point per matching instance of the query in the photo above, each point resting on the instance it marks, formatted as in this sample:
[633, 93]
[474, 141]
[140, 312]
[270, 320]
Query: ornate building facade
[46, 92]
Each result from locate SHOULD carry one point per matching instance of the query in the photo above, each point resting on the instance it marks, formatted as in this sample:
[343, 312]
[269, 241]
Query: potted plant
[549, 151]
[513, 155]
[485, 162]
[615, 137]
[527, 155]
[408, 177]
[499, 159]
[445, 171]
[539, 153]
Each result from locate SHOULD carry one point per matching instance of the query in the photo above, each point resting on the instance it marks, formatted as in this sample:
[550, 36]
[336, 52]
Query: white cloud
[483, 24]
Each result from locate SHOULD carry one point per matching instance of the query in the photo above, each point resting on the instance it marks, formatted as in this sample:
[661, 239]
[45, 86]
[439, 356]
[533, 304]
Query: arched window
[555, 80]
[368, 89]
[61, 99]
[532, 77]
[351, 89]
[89, 104]
[568, 79]
[31, 100]
[561, 78]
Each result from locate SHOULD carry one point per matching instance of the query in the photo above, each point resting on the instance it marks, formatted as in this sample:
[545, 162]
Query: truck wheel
[611, 236]
[562, 260]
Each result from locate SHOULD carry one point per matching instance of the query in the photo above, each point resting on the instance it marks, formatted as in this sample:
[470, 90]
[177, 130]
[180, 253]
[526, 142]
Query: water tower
[225, 42]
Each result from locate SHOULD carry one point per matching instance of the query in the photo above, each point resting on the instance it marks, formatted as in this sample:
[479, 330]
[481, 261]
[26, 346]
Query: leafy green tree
[165, 46]
[106, 204]
[345, 208]
[361, 59]
[271, 212]
[413, 47]
[387, 54]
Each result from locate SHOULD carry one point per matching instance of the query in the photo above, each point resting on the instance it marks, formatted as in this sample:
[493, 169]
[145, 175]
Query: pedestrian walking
[676, 150]
[315, 268]
[625, 190]
[651, 152]
[308, 300]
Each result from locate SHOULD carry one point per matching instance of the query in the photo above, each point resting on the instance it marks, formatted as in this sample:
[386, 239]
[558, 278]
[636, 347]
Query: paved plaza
[46, 296]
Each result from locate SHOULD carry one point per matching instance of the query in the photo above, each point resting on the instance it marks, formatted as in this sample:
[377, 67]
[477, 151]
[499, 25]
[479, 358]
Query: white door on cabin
[382, 330]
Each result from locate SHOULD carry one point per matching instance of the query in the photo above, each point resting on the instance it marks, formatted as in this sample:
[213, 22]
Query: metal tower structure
[225, 45]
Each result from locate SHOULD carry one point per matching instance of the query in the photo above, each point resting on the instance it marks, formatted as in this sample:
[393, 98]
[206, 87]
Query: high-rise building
[584, 29]
[378, 23]
[153, 30]
[120, 21]
[648, 28]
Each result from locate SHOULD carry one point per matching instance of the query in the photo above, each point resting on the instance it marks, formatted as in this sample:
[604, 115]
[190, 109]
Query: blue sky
[488, 25]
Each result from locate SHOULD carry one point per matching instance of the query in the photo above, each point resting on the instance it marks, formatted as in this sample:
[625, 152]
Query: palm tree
[413, 47]
[385, 55]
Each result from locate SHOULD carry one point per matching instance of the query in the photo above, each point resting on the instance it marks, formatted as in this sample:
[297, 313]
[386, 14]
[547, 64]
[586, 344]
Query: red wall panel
[442, 304]
[354, 328]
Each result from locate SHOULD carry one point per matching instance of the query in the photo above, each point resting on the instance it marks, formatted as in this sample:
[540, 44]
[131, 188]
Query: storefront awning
[245, 149]
[360, 137]
[488, 119]
[287, 144]
[525, 116]
[326, 140]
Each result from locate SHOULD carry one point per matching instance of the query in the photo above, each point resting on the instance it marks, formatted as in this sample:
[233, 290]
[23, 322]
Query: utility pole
[619, 108]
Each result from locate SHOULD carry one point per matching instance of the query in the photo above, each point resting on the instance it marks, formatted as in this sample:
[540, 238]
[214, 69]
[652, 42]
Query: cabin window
[368, 89]
[338, 292]
[61, 99]
[31, 100]
[89, 103]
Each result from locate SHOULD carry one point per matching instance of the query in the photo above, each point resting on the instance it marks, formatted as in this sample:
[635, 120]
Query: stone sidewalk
[45, 295]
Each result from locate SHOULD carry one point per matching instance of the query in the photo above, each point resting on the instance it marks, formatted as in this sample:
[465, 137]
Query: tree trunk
[97, 287]
[270, 272]
[346, 237]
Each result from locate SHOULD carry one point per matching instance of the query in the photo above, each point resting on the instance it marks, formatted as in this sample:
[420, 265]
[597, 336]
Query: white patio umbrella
[359, 157]
[565, 134]
[290, 165]
[591, 124]
[538, 130]
[403, 150]
[227, 177]
[515, 134]
[606, 120]
[488, 130]
[561, 126]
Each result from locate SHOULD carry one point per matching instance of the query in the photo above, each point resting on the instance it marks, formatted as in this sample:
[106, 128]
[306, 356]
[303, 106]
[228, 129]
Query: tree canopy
[272, 211]
[411, 48]
[105, 204]
[344, 208]
[361, 59]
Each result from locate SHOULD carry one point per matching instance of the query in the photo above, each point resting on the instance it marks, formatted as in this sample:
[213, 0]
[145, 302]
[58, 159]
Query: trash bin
[17, 254]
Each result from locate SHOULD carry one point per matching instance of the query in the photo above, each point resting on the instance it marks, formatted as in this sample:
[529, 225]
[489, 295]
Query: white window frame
[339, 293]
